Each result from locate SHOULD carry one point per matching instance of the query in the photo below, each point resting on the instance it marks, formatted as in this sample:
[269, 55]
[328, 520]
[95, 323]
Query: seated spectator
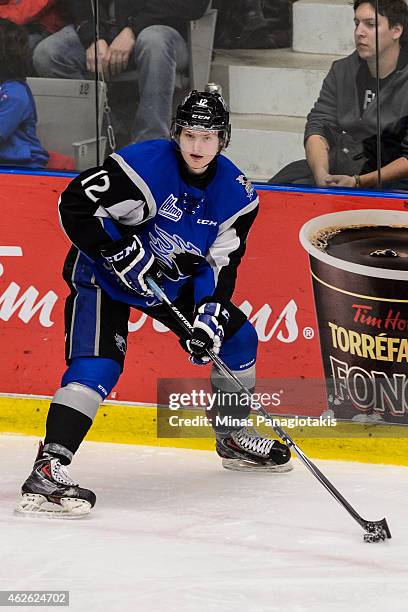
[152, 40]
[341, 129]
[19, 145]
[40, 17]
[252, 24]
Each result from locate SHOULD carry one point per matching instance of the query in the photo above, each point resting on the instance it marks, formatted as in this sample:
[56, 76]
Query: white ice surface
[172, 532]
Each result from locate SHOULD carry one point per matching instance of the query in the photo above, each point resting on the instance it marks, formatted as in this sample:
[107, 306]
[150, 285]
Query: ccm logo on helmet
[127, 251]
[201, 116]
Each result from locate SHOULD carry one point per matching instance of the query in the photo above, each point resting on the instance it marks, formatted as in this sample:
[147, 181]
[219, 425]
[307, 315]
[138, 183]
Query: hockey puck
[371, 538]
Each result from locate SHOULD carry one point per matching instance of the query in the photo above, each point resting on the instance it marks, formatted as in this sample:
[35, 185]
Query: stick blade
[376, 531]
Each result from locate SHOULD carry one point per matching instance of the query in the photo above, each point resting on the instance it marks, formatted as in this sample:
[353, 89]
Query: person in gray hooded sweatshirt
[341, 129]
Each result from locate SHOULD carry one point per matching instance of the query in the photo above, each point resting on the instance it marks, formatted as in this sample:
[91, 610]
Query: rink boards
[274, 290]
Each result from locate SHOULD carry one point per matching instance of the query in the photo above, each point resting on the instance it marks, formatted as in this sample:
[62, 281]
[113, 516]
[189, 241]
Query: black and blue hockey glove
[132, 262]
[208, 331]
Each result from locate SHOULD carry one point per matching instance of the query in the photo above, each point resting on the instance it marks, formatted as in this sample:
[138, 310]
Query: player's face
[198, 148]
[364, 33]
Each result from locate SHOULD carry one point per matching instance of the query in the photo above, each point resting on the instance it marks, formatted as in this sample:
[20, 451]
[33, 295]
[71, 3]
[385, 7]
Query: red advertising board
[274, 289]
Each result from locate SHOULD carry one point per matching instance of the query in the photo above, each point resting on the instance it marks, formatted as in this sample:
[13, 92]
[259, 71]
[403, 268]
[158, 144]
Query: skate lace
[60, 474]
[254, 442]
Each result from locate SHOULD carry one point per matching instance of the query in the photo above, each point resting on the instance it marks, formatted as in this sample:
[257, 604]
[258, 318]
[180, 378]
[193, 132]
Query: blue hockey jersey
[196, 233]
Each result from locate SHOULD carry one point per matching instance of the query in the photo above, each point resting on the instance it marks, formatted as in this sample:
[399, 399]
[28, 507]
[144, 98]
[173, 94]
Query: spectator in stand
[40, 17]
[19, 145]
[253, 24]
[149, 36]
[341, 129]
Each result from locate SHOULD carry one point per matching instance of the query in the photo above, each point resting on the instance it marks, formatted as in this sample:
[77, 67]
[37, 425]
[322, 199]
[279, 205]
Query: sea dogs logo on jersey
[246, 183]
[177, 257]
[169, 209]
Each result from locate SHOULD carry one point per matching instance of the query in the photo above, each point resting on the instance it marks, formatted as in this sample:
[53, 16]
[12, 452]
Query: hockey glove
[132, 262]
[208, 331]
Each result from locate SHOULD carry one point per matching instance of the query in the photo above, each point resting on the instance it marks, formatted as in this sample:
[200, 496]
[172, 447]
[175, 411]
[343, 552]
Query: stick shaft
[159, 293]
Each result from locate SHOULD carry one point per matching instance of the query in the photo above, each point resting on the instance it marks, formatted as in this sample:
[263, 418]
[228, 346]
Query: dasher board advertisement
[350, 358]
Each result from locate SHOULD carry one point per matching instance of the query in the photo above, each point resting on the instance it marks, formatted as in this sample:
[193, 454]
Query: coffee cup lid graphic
[352, 218]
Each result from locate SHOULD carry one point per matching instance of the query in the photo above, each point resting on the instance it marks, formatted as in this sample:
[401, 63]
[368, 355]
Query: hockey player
[179, 211]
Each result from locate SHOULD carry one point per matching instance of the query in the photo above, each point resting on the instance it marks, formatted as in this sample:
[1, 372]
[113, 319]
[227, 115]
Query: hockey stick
[375, 531]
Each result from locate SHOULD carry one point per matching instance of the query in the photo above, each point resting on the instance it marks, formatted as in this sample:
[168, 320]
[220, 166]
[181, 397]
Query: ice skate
[49, 491]
[246, 450]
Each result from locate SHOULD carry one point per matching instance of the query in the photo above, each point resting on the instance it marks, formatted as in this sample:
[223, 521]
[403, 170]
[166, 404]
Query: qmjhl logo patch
[169, 209]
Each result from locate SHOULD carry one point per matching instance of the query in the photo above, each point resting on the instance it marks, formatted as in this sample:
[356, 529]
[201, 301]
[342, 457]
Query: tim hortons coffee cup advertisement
[359, 267]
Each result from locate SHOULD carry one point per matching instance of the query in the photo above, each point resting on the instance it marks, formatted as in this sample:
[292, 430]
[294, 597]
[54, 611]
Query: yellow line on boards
[133, 424]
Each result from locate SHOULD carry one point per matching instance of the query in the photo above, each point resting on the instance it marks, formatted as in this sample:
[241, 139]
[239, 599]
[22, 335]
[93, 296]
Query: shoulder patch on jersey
[246, 183]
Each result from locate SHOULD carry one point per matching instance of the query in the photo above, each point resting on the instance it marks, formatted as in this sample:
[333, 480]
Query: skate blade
[33, 504]
[241, 465]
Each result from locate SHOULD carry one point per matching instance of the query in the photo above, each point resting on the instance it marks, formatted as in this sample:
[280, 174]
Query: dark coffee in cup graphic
[359, 268]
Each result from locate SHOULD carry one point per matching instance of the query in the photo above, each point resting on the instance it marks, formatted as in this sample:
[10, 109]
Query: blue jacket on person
[19, 145]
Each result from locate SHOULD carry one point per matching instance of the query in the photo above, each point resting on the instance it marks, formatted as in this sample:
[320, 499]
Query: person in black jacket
[149, 35]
